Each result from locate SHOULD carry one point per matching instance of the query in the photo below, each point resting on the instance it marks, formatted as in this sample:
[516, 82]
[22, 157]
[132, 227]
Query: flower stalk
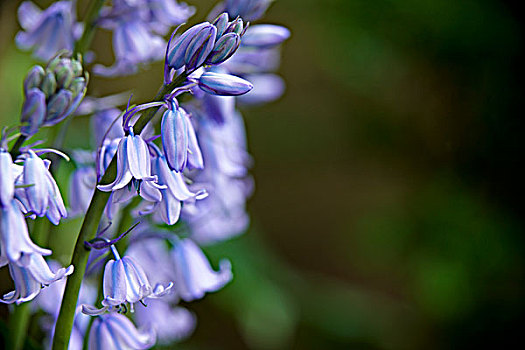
[88, 231]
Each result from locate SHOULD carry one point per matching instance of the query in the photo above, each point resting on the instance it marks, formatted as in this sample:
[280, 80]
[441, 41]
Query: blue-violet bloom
[47, 31]
[116, 331]
[193, 274]
[179, 140]
[30, 279]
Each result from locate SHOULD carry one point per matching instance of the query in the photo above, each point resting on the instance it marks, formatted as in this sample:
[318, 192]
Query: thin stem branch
[89, 27]
[88, 231]
[15, 150]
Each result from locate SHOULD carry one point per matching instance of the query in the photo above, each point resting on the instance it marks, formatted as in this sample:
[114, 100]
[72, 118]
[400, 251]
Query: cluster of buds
[53, 93]
[206, 43]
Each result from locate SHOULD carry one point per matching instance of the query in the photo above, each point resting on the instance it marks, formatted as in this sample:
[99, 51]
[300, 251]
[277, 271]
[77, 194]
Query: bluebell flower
[30, 279]
[176, 191]
[40, 195]
[48, 31]
[133, 43]
[133, 163]
[193, 274]
[223, 84]
[179, 141]
[170, 323]
[15, 244]
[125, 282]
[116, 331]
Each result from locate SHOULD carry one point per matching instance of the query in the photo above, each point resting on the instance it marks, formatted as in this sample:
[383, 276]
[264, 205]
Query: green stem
[89, 27]
[20, 323]
[124, 221]
[15, 150]
[89, 229]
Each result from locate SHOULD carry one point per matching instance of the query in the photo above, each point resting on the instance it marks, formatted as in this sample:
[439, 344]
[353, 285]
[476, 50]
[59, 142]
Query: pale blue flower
[179, 141]
[15, 244]
[125, 282]
[133, 163]
[193, 274]
[48, 31]
[30, 279]
[40, 195]
[116, 331]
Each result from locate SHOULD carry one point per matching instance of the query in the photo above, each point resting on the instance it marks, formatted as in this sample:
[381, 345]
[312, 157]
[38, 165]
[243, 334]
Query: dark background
[387, 179]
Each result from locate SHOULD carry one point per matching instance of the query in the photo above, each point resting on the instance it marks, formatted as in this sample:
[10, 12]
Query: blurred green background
[387, 178]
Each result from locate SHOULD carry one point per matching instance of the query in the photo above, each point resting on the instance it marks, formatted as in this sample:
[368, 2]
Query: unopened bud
[49, 84]
[33, 78]
[224, 48]
[224, 84]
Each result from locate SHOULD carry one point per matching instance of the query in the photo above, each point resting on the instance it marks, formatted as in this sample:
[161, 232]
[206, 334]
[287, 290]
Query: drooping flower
[178, 139]
[48, 31]
[133, 163]
[15, 244]
[30, 279]
[40, 194]
[125, 282]
[116, 331]
[193, 274]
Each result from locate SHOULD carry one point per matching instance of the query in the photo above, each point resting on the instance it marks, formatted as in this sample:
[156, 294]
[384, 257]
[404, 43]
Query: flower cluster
[176, 166]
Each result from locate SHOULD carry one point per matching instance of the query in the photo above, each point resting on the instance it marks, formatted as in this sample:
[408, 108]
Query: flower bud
[57, 107]
[236, 26]
[76, 66]
[77, 86]
[34, 78]
[64, 73]
[180, 45]
[223, 84]
[224, 48]
[221, 23]
[49, 84]
[200, 47]
[33, 112]
[265, 35]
